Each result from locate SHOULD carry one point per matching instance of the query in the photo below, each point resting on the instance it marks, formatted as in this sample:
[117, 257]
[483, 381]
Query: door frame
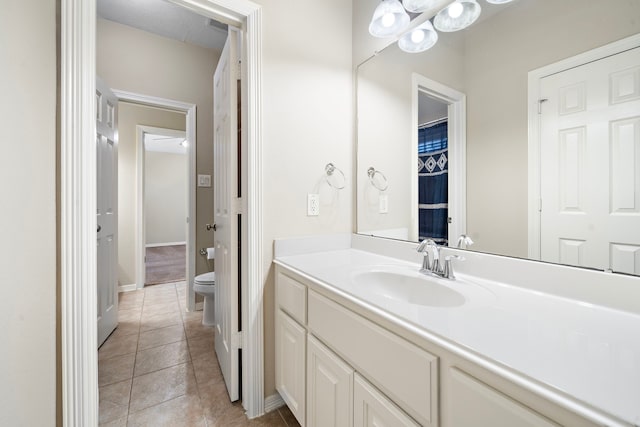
[190, 129]
[534, 125]
[457, 129]
[141, 219]
[77, 186]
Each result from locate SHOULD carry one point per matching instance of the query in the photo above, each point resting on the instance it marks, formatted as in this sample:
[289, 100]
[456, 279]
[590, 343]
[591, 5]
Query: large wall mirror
[450, 141]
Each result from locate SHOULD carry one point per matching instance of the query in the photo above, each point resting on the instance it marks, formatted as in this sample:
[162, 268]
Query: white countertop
[589, 352]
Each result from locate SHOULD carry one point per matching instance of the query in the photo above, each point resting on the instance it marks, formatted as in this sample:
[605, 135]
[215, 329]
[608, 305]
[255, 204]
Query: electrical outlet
[383, 204]
[313, 204]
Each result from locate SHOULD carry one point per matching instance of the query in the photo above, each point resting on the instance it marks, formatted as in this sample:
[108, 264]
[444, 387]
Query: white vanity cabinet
[337, 344]
[341, 364]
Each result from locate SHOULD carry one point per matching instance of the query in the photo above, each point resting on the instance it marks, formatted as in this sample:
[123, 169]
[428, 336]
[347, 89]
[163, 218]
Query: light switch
[204, 180]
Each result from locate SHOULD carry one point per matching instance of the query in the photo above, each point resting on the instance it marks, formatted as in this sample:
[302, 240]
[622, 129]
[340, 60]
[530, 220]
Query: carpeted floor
[165, 264]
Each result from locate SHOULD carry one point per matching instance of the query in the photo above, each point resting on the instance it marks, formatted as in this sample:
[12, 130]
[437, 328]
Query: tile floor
[158, 368]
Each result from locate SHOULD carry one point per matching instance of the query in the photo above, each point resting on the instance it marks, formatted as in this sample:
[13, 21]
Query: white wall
[308, 122]
[127, 59]
[129, 148]
[28, 285]
[165, 197]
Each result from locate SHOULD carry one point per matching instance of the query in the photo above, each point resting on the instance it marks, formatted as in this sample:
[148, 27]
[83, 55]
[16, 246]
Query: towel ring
[330, 169]
[383, 185]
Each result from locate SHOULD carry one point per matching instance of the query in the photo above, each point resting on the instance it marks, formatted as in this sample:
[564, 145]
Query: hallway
[158, 368]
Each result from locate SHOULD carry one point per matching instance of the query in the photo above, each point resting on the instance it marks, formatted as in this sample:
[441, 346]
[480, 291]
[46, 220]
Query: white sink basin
[413, 288]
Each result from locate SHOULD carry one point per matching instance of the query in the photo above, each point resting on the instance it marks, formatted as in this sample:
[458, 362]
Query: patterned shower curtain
[433, 180]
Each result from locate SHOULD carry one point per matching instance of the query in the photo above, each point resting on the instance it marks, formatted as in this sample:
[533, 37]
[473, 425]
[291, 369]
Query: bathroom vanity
[363, 338]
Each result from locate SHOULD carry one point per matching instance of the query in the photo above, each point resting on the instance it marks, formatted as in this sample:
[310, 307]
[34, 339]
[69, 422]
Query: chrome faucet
[464, 240]
[434, 267]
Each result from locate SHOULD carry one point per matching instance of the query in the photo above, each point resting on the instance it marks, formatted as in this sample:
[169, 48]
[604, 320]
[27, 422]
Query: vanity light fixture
[419, 39]
[419, 6]
[457, 16]
[389, 19]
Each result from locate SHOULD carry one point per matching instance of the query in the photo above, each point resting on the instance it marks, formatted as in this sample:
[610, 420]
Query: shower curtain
[433, 181]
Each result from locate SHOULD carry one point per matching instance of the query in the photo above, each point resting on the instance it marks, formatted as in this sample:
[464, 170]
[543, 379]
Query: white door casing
[78, 211]
[226, 209]
[106, 209]
[590, 165]
[457, 119]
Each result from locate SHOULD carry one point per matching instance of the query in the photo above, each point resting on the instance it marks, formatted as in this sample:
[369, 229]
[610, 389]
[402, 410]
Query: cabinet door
[329, 387]
[474, 403]
[290, 364]
[373, 409]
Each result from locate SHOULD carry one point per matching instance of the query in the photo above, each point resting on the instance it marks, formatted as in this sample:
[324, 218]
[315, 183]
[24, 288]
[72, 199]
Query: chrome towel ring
[329, 170]
[381, 184]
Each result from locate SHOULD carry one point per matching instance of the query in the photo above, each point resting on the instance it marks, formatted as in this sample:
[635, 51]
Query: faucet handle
[422, 246]
[447, 271]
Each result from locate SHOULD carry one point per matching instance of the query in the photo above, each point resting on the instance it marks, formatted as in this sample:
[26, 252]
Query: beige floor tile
[120, 422]
[207, 369]
[183, 411]
[192, 316]
[161, 336]
[129, 327]
[160, 320]
[129, 315]
[201, 345]
[159, 386]
[287, 416]
[232, 416]
[114, 402]
[116, 369]
[272, 419]
[214, 399]
[118, 346]
[195, 328]
[160, 308]
[161, 357]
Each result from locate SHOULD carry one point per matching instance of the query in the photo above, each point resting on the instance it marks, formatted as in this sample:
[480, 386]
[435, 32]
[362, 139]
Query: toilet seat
[205, 279]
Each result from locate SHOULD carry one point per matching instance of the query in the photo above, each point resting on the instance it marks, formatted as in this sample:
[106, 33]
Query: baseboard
[157, 245]
[127, 288]
[200, 306]
[273, 402]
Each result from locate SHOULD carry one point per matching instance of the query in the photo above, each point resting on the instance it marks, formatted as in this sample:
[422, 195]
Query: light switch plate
[383, 202]
[313, 204]
[204, 180]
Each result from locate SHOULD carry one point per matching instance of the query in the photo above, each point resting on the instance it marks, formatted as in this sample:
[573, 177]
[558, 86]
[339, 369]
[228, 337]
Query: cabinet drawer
[475, 403]
[291, 296]
[403, 371]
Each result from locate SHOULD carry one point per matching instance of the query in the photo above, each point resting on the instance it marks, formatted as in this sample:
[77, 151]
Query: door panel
[590, 165]
[226, 204]
[106, 209]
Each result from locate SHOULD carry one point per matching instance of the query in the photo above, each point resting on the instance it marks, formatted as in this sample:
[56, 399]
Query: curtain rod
[433, 123]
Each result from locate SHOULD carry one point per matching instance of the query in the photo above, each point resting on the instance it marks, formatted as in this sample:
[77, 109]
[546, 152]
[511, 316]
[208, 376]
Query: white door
[226, 207]
[106, 211]
[590, 165]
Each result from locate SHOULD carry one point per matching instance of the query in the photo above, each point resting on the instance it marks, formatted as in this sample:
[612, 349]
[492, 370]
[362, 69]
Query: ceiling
[166, 19]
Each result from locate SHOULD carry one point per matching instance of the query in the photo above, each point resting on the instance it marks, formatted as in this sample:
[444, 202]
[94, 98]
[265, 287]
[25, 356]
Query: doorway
[165, 186]
[431, 103]
[77, 187]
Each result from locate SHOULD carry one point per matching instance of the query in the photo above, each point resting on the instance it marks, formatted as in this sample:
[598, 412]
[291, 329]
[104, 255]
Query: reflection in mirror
[528, 184]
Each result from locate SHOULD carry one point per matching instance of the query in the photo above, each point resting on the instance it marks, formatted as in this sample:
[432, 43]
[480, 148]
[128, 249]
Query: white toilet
[205, 285]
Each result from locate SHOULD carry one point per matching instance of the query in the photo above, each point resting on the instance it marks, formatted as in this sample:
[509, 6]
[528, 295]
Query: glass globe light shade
[457, 16]
[418, 6]
[419, 39]
[388, 19]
